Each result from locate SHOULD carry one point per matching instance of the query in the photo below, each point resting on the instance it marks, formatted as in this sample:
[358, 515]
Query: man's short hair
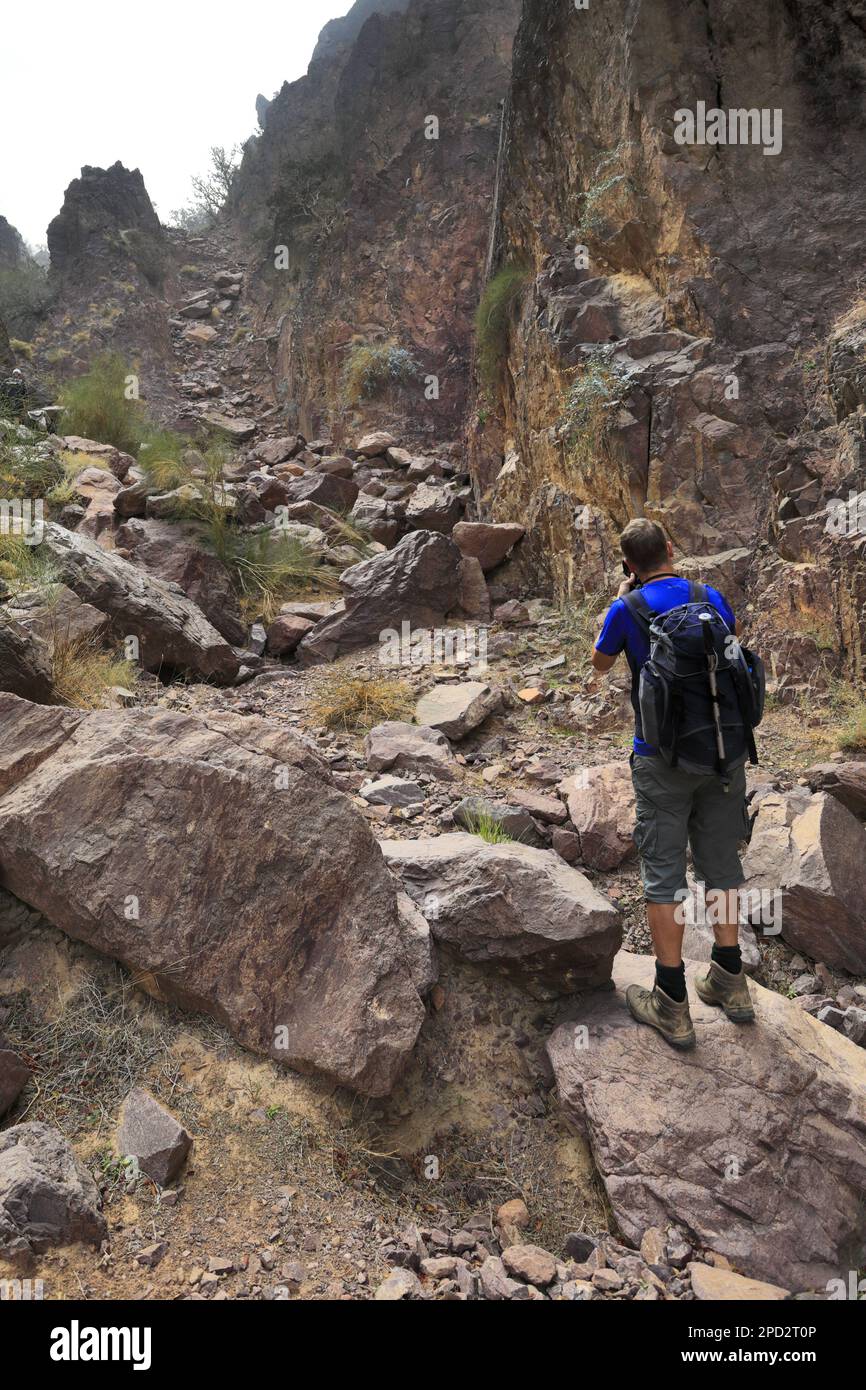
[644, 545]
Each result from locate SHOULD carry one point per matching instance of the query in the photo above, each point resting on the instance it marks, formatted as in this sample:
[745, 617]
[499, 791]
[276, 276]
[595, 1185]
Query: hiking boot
[730, 992]
[656, 1008]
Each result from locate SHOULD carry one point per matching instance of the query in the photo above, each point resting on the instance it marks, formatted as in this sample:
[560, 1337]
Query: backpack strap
[639, 610]
[698, 592]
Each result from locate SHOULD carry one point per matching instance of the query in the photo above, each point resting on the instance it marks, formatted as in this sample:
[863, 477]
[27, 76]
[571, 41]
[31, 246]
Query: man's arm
[612, 635]
[601, 661]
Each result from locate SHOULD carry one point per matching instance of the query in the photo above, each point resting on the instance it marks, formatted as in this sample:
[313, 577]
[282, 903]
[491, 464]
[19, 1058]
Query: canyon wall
[686, 335]
[375, 174]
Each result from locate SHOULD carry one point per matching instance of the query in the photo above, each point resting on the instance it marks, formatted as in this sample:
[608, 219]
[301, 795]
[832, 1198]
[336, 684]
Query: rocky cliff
[12, 248]
[685, 329]
[375, 175]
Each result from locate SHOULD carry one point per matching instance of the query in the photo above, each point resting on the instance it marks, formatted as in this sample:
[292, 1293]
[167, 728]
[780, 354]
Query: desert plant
[24, 566]
[493, 319]
[486, 826]
[372, 367]
[598, 390]
[354, 702]
[83, 673]
[609, 196]
[98, 406]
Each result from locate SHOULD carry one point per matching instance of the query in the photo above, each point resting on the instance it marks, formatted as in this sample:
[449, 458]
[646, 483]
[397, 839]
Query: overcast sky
[152, 84]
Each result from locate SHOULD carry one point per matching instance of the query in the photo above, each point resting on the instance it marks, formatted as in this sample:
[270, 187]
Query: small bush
[487, 827]
[267, 569]
[21, 349]
[610, 195]
[350, 702]
[83, 673]
[95, 406]
[595, 395]
[371, 368]
[25, 566]
[493, 319]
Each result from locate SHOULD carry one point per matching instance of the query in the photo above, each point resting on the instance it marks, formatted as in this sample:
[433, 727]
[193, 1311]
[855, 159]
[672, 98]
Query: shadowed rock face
[719, 277]
[101, 211]
[7, 357]
[387, 229]
[12, 248]
[214, 858]
[784, 1100]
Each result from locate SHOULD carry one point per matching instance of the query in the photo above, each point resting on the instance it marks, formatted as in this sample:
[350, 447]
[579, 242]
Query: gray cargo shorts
[676, 809]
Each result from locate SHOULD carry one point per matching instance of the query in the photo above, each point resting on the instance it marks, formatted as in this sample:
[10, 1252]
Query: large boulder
[168, 553]
[417, 582]
[486, 541]
[601, 806]
[844, 780]
[57, 617]
[455, 710]
[398, 747]
[172, 631]
[47, 1197]
[813, 851]
[325, 489]
[434, 507]
[521, 909]
[753, 1143]
[25, 662]
[214, 857]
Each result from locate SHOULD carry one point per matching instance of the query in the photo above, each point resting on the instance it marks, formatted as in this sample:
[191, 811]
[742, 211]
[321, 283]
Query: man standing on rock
[677, 807]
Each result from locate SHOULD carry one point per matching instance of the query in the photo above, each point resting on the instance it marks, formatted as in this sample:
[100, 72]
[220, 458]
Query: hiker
[14, 393]
[697, 695]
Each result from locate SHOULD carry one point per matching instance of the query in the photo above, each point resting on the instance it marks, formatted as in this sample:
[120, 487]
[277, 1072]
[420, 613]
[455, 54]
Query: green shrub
[372, 367]
[597, 392]
[486, 826]
[493, 319]
[95, 406]
[21, 349]
[610, 195]
[24, 296]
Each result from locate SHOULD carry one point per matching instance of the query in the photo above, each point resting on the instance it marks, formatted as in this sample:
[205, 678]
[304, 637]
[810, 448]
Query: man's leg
[663, 803]
[716, 830]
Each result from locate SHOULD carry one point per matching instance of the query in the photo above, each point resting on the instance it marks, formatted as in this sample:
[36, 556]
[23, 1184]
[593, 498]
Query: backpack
[701, 694]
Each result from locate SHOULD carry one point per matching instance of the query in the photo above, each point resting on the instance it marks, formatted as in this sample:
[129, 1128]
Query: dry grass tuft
[84, 674]
[352, 702]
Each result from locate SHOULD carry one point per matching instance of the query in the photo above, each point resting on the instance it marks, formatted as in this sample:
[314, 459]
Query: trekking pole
[712, 667]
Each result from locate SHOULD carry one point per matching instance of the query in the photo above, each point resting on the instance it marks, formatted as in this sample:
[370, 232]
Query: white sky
[153, 83]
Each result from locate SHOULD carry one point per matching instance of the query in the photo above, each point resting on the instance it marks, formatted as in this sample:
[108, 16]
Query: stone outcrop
[515, 907]
[25, 662]
[213, 857]
[163, 550]
[651, 365]
[47, 1197]
[813, 851]
[417, 582]
[753, 1143]
[601, 807]
[172, 631]
[361, 188]
[105, 212]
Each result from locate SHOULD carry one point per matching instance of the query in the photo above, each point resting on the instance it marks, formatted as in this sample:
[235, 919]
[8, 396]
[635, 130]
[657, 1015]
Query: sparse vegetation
[597, 392]
[83, 673]
[493, 319]
[353, 702]
[372, 367]
[24, 566]
[610, 195]
[485, 825]
[98, 406]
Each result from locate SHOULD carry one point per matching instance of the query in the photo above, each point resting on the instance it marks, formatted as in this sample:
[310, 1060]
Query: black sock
[672, 979]
[729, 958]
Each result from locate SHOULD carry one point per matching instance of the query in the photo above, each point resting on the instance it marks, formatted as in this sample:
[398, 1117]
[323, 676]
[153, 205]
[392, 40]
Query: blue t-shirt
[621, 633]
